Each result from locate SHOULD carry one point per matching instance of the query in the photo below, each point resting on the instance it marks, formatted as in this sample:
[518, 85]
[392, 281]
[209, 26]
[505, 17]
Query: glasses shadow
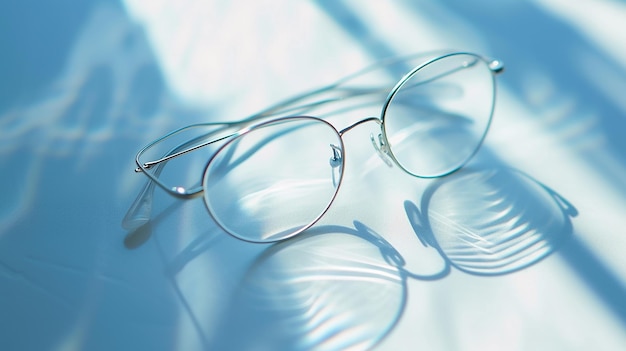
[491, 221]
[139, 235]
[339, 287]
[332, 287]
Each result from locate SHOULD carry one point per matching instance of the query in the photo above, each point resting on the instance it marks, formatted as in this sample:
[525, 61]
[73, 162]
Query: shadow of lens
[493, 221]
[321, 290]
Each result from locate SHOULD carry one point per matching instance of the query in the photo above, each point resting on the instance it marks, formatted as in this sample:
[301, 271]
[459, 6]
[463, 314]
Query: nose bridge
[380, 145]
[364, 120]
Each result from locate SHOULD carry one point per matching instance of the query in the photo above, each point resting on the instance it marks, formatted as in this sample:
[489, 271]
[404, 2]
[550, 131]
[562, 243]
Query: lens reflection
[275, 180]
[438, 117]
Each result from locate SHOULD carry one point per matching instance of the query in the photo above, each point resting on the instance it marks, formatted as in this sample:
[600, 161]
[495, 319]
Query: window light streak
[431, 33]
[607, 34]
[505, 139]
[611, 82]
[185, 47]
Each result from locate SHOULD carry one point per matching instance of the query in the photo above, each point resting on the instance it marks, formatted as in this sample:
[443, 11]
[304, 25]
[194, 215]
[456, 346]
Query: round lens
[437, 116]
[275, 180]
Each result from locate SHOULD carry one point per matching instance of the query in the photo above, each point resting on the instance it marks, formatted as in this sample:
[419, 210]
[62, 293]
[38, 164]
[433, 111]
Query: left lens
[437, 116]
[275, 180]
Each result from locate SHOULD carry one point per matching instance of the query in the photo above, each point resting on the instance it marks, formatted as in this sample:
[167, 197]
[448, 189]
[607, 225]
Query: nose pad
[335, 163]
[381, 149]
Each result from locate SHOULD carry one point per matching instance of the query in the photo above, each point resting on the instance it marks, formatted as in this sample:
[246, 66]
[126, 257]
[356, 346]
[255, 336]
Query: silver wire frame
[285, 110]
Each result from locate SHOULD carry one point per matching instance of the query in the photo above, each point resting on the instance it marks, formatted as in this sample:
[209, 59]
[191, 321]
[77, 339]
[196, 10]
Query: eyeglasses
[275, 174]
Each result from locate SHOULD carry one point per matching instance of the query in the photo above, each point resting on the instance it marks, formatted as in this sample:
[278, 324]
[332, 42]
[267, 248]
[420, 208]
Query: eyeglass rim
[142, 203]
[261, 125]
[494, 67]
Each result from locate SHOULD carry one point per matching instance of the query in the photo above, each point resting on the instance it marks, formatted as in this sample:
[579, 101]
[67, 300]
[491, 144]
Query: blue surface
[85, 85]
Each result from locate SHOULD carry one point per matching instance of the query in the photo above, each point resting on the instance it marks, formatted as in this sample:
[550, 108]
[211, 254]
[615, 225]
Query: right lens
[438, 115]
[275, 180]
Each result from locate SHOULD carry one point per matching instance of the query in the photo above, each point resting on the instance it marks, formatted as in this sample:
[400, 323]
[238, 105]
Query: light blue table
[84, 85]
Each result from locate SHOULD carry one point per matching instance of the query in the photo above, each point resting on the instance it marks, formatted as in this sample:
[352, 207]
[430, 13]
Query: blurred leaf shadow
[491, 221]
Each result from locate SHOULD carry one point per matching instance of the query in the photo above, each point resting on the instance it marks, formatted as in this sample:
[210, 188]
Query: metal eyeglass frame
[139, 212]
